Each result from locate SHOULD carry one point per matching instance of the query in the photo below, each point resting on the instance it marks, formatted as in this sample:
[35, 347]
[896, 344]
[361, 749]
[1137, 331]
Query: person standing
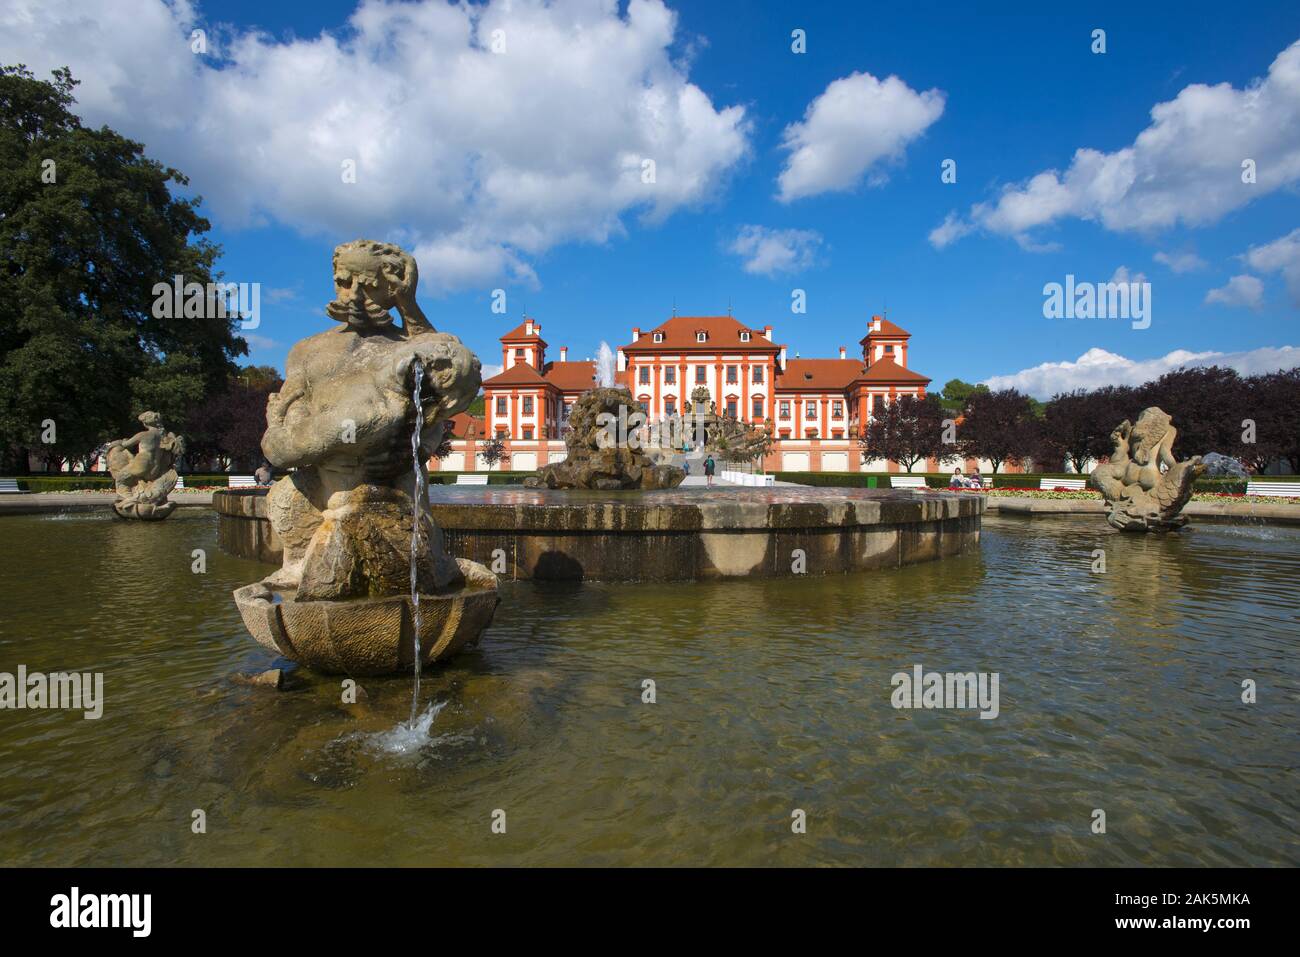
[709, 466]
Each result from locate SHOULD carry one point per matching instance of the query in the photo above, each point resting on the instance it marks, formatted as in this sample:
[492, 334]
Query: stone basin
[701, 533]
[674, 534]
[372, 636]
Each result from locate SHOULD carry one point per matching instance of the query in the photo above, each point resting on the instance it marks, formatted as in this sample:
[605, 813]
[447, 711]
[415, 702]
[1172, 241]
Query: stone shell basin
[371, 636]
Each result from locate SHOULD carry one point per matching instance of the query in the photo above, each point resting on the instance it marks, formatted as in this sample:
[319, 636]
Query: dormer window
[701, 337]
[659, 337]
[744, 337]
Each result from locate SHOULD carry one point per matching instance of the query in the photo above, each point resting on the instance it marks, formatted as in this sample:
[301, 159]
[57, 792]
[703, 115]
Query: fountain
[1145, 487]
[143, 470]
[599, 457]
[366, 585]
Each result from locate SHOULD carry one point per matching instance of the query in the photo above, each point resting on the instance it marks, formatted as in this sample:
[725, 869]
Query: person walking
[709, 466]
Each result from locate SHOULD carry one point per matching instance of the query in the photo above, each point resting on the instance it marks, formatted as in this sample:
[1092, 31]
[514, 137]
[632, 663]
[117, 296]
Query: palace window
[731, 408]
[785, 410]
[501, 433]
[519, 353]
[659, 337]
[837, 410]
[528, 432]
[501, 405]
[670, 375]
[733, 375]
[744, 337]
[528, 405]
[810, 412]
[701, 375]
[643, 375]
[670, 406]
[701, 337]
[758, 375]
[889, 350]
[758, 408]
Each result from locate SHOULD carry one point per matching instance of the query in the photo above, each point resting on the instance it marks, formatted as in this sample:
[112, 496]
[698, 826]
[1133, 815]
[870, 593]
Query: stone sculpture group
[343, 422]
[1144, 486]
[144, 470]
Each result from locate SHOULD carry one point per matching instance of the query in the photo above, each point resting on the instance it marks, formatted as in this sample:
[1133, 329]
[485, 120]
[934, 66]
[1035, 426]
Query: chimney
[767, 333]
[875, 323]
[842, 352]
[564, 353]
[636, 333]
[528, 327]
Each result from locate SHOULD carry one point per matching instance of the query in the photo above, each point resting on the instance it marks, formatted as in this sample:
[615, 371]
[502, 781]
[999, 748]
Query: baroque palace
[816, 409]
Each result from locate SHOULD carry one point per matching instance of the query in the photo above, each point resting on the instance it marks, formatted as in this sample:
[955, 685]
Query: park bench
[180, 482]
[9, 485]
[1051, 484]
[988, 481]
[241, 481]
[479, 479]
[907, 481]
[1285, 489]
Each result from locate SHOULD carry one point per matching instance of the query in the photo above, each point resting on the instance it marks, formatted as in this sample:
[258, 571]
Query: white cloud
[1280, 256]
[768, 252]
[1122, 275]
[1186, 167]
[949, 231]
[1097, 367]
[857, 122]
[1181, 262]
[1239, 291]
[484, 159]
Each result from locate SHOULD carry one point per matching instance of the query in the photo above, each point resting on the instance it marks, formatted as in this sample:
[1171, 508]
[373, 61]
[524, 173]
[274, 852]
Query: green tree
[88, 226]
[956, 394]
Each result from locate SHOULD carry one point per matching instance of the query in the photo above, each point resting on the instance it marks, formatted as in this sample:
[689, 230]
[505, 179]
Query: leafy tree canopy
[88, 226]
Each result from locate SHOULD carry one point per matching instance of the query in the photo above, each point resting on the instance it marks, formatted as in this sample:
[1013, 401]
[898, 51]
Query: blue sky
[500, 168]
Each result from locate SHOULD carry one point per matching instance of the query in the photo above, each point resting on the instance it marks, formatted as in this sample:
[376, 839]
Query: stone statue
[343, 422]
[143, 469]
[600, 458]
[1145, 487]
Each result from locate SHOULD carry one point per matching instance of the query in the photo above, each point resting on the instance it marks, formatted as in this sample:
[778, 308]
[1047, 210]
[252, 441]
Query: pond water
[770, 696]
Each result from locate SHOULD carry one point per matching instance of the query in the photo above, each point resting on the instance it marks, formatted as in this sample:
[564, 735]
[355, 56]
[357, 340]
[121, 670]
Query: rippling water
[771, 696]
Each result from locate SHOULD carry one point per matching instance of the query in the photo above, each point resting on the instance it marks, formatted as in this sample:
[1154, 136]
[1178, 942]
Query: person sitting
[975, 480]
[958, 480]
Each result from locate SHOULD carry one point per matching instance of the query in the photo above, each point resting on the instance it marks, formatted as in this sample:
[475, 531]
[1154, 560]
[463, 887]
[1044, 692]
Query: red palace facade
[817, 408]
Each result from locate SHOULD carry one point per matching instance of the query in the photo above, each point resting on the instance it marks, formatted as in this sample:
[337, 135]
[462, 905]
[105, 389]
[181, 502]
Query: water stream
[418, 498]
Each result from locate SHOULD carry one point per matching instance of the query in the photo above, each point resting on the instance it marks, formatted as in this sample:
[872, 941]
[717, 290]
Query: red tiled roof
[833, 375]
[836, 375]
[887, 331]
[518, 333]
[887, 370]
[521, 373]
[461, 423]
[571, 376]
[679, 334]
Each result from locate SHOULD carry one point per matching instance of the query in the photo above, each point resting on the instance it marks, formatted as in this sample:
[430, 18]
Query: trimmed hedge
[494, 478]
[1032, 480]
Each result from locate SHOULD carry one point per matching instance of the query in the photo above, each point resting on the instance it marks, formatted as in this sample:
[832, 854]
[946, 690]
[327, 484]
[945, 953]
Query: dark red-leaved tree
[998, 426]
[907, 430]
[228, 426]
[1205, 404]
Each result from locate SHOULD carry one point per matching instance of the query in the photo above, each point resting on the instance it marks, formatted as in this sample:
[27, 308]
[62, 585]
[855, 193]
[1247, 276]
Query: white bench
[988, 481]
[1051, 484]
[477, 479]
[241, 481]
[754, 479]
[907, 481]
[1285, 489]
[9, 485]
[180, 481]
